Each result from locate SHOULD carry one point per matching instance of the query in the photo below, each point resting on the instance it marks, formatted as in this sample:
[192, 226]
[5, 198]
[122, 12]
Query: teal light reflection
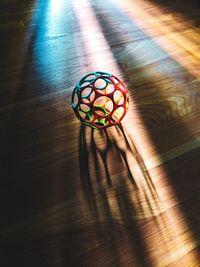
[51, 42]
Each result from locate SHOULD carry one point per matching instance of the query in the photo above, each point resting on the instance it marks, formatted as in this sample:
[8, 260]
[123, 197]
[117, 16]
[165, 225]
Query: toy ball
[100, 100]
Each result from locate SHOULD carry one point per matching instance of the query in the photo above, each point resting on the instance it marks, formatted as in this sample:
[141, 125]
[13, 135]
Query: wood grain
[73, 196]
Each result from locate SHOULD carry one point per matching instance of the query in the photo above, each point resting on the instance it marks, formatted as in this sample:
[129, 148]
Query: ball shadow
[112, 192]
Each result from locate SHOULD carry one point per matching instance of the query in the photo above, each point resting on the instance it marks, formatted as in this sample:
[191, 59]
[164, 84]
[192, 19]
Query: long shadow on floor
[154, 76]
[116, 199]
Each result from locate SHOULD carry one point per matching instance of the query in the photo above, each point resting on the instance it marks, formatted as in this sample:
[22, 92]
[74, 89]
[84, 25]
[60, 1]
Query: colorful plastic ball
[100, 100]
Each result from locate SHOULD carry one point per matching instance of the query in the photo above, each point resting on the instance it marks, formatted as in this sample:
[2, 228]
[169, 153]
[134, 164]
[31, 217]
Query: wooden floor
[73, 196]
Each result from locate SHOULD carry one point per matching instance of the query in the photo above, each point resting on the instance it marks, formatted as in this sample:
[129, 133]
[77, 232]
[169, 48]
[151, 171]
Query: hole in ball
[109, 88]
[86, 101]
[103, 105]
[86, 92]
[84, 107]
[117, 114]
[92, 96]
[100, 84]
[75, 100]
[118, 97]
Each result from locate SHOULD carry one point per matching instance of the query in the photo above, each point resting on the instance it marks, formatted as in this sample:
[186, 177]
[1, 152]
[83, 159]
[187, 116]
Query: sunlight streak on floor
[100, 56]
[165, 29]
[154, 197]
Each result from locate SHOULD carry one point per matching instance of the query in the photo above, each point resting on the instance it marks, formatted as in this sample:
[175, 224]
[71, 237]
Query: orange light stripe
[182, 46]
